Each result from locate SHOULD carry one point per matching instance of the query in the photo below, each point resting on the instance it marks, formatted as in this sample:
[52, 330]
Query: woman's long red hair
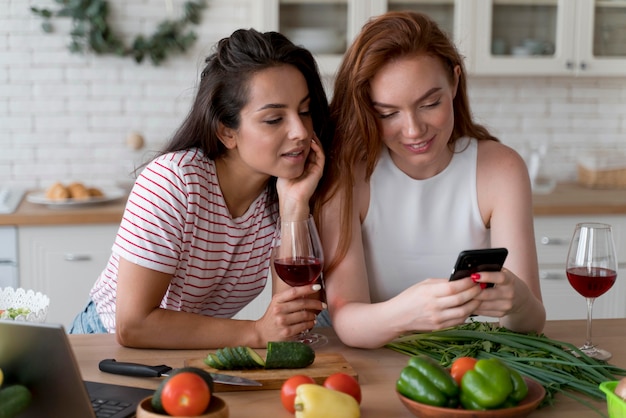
[357, 136]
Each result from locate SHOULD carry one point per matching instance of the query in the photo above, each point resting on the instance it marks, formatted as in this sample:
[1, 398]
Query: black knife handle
[132, 369]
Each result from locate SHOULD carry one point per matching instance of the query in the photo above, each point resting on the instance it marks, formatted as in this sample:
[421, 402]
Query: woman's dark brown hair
[357, 137]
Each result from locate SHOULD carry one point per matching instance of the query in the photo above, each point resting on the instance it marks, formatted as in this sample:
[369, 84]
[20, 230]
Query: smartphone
[472, 261]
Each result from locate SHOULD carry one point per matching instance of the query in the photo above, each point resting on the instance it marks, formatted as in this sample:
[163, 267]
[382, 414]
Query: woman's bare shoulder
[498, 156]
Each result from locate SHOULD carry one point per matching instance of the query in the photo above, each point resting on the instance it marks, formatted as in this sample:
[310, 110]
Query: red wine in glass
[298, 271]
[591, 282]
[591, 270]
[298, 259]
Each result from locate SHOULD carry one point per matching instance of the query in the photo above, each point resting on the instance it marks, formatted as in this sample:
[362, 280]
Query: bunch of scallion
[558, 366]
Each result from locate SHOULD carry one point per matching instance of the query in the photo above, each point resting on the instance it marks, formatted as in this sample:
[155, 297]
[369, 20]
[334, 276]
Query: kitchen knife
[143, 370]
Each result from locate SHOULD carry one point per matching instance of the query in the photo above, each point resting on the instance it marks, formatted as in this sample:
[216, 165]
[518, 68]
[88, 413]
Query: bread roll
[78, 191]
[95, 192]
[57, 192]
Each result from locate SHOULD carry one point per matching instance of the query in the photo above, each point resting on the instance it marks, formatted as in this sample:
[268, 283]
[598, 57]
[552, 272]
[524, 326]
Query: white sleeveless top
[414, 229]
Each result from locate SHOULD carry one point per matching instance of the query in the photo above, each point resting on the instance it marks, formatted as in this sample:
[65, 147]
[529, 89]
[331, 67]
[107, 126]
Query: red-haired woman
[412, 180]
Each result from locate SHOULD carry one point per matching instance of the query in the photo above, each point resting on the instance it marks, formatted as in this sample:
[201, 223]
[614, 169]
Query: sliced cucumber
[253, 359]
[225, 359]
[280, 355]
[211, 360]
[239, 361]
[288, 355]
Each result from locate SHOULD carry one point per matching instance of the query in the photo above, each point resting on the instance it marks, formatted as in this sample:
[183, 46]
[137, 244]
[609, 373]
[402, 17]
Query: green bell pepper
[424, 380]
[520, 388]
[491, 385]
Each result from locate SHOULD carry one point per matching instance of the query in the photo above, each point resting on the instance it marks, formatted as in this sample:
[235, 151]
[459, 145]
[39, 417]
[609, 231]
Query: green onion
[558, 366]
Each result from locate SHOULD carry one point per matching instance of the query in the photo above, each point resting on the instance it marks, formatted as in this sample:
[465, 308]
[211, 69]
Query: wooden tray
[324, 365]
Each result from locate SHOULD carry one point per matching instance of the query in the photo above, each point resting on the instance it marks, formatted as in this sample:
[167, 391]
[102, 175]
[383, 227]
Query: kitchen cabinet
[549, 37]
[553, 235]
[497, 37]
[64, 261]
[327, 27]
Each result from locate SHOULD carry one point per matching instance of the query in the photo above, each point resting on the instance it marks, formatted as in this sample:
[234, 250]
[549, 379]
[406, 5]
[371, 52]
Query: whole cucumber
[13, 400]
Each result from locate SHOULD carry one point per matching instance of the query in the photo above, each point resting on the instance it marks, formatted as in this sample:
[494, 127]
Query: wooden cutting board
[324, 365]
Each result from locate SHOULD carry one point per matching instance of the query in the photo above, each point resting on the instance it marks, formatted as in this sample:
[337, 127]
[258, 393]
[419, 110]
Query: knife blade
[144, 370]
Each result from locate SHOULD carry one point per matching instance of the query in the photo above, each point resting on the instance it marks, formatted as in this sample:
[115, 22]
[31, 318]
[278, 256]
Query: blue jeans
[88, 321]
[323, 319]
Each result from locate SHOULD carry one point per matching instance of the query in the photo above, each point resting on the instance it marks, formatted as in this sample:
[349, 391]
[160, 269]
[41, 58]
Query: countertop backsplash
[65, 116]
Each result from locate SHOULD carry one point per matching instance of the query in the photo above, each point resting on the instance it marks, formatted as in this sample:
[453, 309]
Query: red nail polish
[475, 277]
[483, 285]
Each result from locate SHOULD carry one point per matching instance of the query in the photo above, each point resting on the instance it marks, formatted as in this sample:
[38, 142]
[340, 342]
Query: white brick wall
[66, 117]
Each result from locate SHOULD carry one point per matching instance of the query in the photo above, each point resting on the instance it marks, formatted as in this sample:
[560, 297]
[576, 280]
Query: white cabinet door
[552, 235]
[601, 38]
[549, 37]
[64, 262]
[327, 27]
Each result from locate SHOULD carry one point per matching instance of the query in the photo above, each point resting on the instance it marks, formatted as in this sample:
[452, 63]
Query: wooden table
[377, 370]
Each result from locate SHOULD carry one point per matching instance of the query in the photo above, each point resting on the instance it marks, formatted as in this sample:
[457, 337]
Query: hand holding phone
[473, 261]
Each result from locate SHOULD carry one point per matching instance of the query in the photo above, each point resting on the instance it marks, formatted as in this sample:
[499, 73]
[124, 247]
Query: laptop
[40, 357]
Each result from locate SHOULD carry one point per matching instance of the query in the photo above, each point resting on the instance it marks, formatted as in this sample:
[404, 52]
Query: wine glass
[298, 260]
[591, 270]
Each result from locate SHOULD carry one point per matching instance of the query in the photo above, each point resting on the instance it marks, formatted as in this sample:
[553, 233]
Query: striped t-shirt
[176, 222]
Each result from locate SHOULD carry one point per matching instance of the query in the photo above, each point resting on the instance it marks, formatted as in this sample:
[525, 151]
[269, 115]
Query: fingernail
[324, 305]
[475, 277]
[483, 285]
[317, 287]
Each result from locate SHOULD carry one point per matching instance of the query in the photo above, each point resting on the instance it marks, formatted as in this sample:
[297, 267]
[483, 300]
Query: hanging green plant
[91, 30]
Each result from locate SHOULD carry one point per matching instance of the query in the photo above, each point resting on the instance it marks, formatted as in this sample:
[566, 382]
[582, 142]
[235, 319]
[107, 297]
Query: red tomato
[185, 394]
[344, 383]
[288, 390]
[460, 366]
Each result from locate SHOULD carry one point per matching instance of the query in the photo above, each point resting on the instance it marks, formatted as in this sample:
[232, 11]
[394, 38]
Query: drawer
[553, 235]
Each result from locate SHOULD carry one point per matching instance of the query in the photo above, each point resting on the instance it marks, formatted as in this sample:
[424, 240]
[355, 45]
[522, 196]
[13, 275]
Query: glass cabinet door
[524, 36]
[441, 11]
[603, 43]
[546, 37]
[325, 27]
[452, 16]
[320, 26]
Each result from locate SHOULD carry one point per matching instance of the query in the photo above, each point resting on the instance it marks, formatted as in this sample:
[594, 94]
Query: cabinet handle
[583, 65]
[77, 257]
[552, 241]
[569, 65]
[7, 262]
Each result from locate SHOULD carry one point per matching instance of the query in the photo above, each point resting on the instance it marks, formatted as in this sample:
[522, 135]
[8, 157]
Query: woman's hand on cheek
[294, 193]
[290, 312]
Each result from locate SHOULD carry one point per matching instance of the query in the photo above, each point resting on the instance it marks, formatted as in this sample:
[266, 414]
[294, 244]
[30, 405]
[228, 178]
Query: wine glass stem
[588, 343]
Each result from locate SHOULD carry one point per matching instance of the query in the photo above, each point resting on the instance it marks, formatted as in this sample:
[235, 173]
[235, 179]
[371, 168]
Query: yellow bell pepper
[316, 401]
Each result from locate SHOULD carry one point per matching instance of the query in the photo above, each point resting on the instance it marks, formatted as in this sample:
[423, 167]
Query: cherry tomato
[344, 383]
[288, 390]
[185, 394]
[460, 366]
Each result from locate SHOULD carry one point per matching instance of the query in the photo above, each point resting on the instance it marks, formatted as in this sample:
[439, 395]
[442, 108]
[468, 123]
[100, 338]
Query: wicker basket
[603, 170]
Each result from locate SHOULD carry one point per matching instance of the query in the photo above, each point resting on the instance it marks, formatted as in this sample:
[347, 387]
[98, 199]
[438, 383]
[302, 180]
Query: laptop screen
[40, 357]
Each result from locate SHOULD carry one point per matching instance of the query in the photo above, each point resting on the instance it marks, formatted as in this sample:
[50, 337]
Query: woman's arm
[140, 322]
[505, 199]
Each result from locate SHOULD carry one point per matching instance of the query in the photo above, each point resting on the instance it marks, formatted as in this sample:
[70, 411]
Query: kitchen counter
[34, 214]
[565, 199]
[377, 371]
[573, 199]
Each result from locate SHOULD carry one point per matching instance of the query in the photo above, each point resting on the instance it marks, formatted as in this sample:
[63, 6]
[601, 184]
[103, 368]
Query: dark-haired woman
[413, 180]
[194, 244]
